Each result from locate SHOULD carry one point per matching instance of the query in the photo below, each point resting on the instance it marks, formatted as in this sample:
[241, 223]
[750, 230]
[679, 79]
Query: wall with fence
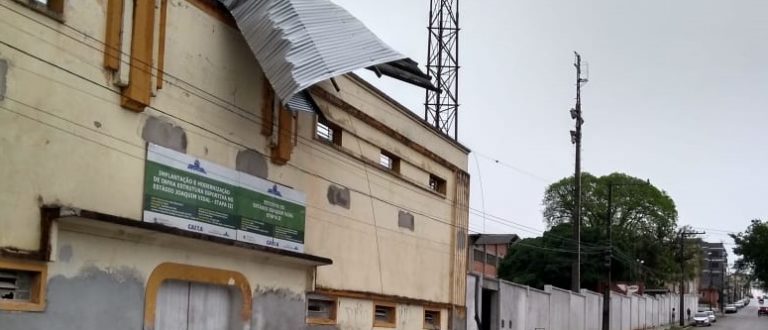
[520, 307]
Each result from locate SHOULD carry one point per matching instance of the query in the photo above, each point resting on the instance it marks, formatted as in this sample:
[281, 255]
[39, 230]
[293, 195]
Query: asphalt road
[745, 319]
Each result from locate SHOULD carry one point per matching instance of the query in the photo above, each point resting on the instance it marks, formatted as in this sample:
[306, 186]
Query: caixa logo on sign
[273, 243]
[195, 227]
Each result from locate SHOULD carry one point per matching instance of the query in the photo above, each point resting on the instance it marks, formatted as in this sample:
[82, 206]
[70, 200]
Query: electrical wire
[501, 220]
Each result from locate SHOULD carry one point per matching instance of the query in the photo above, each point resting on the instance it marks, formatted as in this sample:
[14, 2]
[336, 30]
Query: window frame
[441, 185]
[394, 165]
[439, 314]
[335, 136]
[334, 301]
[475, 253]
[51, 8]
[37, 287]
[391, 321]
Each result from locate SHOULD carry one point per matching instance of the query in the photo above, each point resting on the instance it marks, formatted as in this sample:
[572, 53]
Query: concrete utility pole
[683, 235]
[608, 262]
[609, 252]
[576, 139]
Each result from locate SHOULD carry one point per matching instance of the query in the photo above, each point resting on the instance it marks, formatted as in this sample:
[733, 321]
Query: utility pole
[608, 262]
[683, 235]
[576, 139]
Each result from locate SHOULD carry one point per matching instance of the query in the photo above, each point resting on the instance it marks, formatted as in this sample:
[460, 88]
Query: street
[745, 319]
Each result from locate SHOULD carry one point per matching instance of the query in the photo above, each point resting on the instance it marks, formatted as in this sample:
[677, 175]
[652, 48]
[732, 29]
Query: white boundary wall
[524, 308]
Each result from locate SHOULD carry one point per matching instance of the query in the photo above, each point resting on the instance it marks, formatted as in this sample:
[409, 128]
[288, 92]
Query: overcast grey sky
[678, 94]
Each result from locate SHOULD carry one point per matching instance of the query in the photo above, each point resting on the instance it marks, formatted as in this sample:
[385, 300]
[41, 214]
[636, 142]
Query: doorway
[488, 310]
[183, 305]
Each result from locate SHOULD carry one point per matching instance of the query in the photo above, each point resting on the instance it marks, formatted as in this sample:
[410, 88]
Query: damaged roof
[299, 43]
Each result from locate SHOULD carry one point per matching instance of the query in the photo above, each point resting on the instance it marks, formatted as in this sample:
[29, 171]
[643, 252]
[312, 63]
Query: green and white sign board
[196, 195]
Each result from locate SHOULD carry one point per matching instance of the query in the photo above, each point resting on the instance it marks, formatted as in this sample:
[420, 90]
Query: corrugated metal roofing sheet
[302, 101]
[301, 42]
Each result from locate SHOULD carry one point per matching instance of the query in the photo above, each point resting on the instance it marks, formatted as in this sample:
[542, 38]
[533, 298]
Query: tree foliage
[637, 206]
[752, 247]
[644, 223]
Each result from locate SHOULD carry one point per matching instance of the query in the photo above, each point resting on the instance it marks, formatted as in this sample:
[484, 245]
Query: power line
[512, 167]
[255, 120]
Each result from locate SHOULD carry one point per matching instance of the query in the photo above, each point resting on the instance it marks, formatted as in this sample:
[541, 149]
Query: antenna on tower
[441, 106]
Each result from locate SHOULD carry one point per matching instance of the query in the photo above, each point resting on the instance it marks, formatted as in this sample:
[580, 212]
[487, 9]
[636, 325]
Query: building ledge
[152, 233]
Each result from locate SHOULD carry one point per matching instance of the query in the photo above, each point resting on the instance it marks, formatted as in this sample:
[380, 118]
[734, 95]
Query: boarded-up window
[405, 220]
[196, 306]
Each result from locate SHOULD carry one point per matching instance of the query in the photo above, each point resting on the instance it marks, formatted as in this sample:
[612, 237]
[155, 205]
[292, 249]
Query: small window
[384, 315]
[479, 255]
[437, 184]
[52, 8]
[492, 259]
[431, 319]
[328, 131]
[389, 161]
[321, 310]
[22, 286]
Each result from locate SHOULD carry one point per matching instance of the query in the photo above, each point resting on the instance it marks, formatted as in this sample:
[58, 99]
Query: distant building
[712, 273]
[487, 252]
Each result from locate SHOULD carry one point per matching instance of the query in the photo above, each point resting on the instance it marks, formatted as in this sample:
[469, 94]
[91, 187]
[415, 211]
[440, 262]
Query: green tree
[547, 259]
[644, 223]
[752, 247]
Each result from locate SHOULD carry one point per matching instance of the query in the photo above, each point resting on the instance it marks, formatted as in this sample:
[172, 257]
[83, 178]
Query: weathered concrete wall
[637, 312]
[559, 309]
[471, 303]
[577, 319]
[113, 299]
[98, 281]
[277, 310]
[538, 309]
[593, 310]
[527, 308]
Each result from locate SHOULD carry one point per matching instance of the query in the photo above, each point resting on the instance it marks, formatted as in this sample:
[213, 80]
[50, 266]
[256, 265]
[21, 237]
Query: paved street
[745, 319]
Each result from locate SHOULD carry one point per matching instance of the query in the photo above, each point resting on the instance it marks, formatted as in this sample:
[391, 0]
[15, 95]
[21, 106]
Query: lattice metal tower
[441, 108]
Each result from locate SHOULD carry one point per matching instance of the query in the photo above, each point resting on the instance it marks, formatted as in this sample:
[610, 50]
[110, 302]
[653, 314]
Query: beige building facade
[87, 86]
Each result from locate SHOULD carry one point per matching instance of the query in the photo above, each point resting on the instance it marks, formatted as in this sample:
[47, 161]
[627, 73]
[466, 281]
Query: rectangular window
[22, 286]
[321, 309]
[328, 131]
[437, 184]
[492, 259]
[389, 161]
[51, 8]
[431, 319]
[384, 315]
[479, 255]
